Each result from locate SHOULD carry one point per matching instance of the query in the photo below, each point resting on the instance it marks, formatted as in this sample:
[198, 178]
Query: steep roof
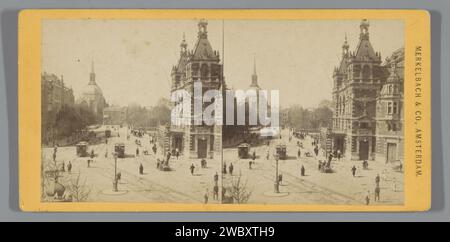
[203, 49]
[364, 51]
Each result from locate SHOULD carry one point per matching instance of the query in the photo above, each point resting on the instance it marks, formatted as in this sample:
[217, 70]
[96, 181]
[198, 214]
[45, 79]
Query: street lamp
[277, 184]
[115, 173]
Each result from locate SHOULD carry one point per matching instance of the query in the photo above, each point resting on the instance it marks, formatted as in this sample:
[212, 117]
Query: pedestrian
[206, 196]
[69, 167]
[216, 192]
[54, 156]
[377, 194]
[400, 167]
[88, 163]
[250, 164]
[92, 154]
[230, 168]
[320, 165]
[377, 180]
[141, 169]
[119, 176]
[302, 171]
[254, 155]
[216, 178]
[330, 157]
[192, 169]
[224, 170]
[106, 141]
[354, 171]
[338, 155]
[63, 167]
[368, 198]
[168, 156]
[316, 150]
[137, 151]
[299, 153]
[280, 178]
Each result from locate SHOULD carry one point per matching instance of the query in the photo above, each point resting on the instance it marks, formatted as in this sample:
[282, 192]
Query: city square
[111, 142]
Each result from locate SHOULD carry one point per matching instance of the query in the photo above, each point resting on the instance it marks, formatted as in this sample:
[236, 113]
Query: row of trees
[66, 121]
[298, 117]
[159, 114]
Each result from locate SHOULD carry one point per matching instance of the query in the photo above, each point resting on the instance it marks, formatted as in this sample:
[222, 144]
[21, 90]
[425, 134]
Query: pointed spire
[92, 75]
[254, 65]
[345, 46]
[254, 75]
[183, 44]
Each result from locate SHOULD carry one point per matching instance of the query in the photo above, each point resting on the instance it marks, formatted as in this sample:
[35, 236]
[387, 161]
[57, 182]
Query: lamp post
[115, 173]
[277, 184]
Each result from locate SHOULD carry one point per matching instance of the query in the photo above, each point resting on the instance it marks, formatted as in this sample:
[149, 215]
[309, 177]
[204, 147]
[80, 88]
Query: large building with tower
[201, 64]
[92, 97]
[368, 102]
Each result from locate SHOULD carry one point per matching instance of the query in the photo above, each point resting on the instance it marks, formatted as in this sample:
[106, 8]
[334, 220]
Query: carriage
[243, 150]
[82, 149]
[280, 151]
[119, 148]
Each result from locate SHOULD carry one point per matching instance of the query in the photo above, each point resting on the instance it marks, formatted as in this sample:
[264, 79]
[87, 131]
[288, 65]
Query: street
[339, 187]
[152, 186]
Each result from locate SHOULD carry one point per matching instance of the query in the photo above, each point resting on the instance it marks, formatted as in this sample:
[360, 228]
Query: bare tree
[239, 190]
[78, 189]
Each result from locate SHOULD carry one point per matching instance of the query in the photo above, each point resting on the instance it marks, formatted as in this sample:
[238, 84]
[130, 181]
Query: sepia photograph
[208, 111]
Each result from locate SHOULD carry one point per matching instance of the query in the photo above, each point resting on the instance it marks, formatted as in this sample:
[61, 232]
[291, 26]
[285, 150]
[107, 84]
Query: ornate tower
[201, 64]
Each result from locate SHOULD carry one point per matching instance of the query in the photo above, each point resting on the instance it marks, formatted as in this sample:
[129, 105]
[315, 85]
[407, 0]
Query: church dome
[92, 89]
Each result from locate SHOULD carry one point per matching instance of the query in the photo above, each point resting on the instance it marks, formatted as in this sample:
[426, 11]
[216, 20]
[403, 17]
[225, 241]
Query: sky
[133, 58]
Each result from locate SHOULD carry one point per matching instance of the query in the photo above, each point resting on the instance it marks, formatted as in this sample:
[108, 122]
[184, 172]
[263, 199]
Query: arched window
[366, 72]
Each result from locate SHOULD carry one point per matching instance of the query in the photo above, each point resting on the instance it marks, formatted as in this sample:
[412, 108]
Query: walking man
[141, 169]
[368, 198]
[137, 151]
[216, 192]
[354, 171]
[316, 150]
[216, 178]
[377, 193]
[298, 153]
[302, 171]
[230, 168]
[377, 180]
[192, 169]
[69, 167]
[206, 196]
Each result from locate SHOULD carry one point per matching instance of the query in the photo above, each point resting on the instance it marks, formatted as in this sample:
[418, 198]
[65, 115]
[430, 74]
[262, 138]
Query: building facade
[363, 102]
[54, 95]
[201, 64]
[92, 97]
[114, 115]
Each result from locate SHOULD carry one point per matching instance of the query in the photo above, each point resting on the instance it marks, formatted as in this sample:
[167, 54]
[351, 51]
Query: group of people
[230, 168]
[376, 191]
